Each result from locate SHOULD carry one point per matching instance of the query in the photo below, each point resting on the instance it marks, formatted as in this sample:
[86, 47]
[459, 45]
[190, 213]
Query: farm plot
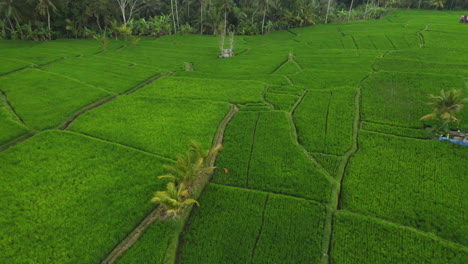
[416, 66]
[266, 78]
[45, 100]
[10, 127]
[328, 62]
[241, 92]
[319, 79]
[114, 76]
[324, 120]
[400, 98]
[417, 183]
[156, 245]
[11, 65]
[67, 198]
[164, 127]
[268, 159]
[265, 230]
[359, 239]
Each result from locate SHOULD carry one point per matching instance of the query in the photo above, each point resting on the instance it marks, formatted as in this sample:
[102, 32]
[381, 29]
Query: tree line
[50, 19]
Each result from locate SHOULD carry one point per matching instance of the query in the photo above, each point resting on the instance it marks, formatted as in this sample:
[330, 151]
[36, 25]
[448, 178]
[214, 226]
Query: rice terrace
[297, 144]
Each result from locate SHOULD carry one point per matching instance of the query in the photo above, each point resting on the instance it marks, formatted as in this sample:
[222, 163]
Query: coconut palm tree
[192, 165]
[445, 106]
[44, 7]
[264, 6]
[438, 4]
[174, 199]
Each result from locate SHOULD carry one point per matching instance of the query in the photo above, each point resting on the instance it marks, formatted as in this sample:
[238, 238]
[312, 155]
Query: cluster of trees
[47, 19]
[188, 169]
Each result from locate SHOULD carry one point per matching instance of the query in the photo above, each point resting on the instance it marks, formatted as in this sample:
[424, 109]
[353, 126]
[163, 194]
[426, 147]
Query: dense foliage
[46, 19]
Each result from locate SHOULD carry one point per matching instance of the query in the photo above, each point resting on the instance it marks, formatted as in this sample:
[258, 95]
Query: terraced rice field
[327, 159]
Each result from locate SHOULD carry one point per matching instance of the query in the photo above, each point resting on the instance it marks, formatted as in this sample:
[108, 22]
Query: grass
[360, 239]
[71, 197]
[265, 230]
[67, 198]
[45, 100]
[419, 187]
[267, 158]
[325, 120]
[240, 92]
[164, 128]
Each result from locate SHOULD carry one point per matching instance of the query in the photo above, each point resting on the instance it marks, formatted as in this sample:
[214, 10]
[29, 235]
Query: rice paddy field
[327, 161]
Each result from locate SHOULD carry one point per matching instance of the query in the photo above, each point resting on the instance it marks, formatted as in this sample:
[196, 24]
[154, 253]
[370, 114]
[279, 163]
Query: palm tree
[328, 10]
[445, 106]
[44, 7]
[174, 199]
[350, 9]
[192, 165]
[264, 6]
[438, 4]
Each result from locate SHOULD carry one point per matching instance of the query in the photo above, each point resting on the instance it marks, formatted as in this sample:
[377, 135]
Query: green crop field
[324, 158]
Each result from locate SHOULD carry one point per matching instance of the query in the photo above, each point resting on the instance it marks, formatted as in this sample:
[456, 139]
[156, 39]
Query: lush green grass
[267, 159]
[325, 120]
[153, 246]
[206, 89]
[264, 231]
[218, 232]
[115, 75]
[67, 198]
[418, 183]
[45, 100]
[400, 98]
[359, 239]
[286, 221]
[10, 128]
[165, 127]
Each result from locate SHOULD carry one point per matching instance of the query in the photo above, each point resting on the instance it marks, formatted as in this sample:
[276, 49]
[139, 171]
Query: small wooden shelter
[456, 137]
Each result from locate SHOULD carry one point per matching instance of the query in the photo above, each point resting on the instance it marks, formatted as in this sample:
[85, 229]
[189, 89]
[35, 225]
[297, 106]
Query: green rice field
[326, 159]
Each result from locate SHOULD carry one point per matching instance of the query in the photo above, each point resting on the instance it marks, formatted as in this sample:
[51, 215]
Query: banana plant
[174, 199]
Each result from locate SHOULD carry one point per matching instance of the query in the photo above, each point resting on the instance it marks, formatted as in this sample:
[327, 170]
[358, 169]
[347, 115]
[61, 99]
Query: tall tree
[328, 11]
[44, 7]
[127, 4]
[350, 9]
[264, 6]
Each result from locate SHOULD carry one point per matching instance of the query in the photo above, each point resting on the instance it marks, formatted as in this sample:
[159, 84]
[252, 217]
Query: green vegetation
[333, 112]
[322, 141]
[72, 198]
[46, 100]
[268, 225]
[360, 239]
[164, 128]
[430, 172]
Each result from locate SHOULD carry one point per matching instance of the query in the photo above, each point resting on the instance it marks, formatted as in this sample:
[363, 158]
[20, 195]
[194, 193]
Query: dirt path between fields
[156, 214]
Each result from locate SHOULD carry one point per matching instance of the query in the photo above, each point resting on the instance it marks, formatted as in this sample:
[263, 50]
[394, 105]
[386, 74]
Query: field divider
[254, 137]
[12, 110]
[156, 213]
[409, 228]
[109, 99]
[75, 80]
[286, 195]
[122, 145]
[202, 183]
[265, 91]
[261, 228]
[395, 135]
[295, 138]
[279, 67]
[336, 191]
[16, 141]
